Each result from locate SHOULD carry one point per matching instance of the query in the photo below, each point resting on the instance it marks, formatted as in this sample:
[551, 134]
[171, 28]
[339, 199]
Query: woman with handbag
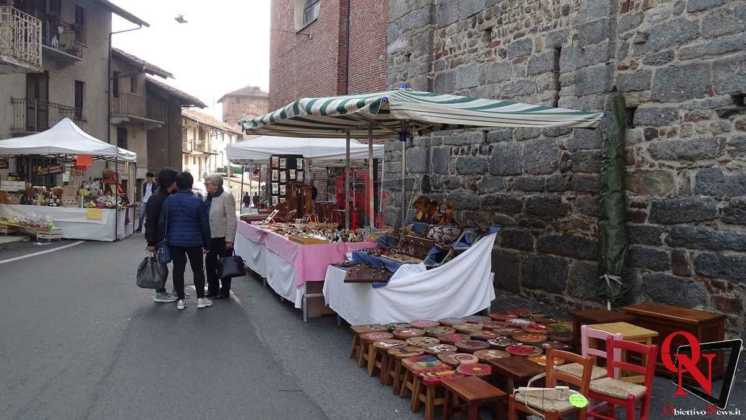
[221, 210]
[187, 233]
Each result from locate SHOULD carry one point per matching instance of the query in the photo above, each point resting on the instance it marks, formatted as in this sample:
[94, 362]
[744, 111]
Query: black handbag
[151, 274]
[233, 266]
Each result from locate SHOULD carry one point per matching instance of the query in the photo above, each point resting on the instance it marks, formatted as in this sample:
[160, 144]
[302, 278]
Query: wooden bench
[470, 392]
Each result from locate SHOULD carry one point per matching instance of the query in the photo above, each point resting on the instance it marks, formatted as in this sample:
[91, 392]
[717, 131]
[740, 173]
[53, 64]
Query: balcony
[32, 116]
[129, 108]
[62, 45]
[20, 42]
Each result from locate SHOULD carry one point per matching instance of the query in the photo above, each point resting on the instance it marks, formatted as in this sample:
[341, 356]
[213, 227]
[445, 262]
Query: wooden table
[630, 332]
[595, 316]
[473, 391]
[515, 370]
[667, 319]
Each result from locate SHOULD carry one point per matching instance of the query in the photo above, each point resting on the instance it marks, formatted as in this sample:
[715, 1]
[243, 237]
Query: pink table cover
[310, 261]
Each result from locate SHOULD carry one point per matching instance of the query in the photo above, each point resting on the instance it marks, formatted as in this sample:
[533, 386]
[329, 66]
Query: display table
[78, 223]
[459, 288]
[286, 265]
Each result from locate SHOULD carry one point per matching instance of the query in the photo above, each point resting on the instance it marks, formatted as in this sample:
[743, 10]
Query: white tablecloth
[279, 274]
[459, 288]
[74, 221]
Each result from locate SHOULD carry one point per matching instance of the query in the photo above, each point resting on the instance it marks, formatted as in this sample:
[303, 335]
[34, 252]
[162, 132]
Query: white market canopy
[316, 149]
[64, 138]
[386, 113]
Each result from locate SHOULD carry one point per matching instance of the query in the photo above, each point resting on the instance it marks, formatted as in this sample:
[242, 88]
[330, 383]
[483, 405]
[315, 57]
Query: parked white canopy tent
[64, 138]
[262, 148]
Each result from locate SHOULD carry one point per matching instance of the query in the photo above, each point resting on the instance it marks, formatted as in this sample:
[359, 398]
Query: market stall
[437, 293]
[65, 183]
[289, 256]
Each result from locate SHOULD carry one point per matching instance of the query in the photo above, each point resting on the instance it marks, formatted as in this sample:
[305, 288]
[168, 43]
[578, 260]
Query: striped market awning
[420, 112]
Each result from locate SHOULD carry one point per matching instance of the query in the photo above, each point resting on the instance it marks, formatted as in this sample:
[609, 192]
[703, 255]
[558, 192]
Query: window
[115, 84]
[311, 11]
[79, 24]
[54, 7]
[133, 84]
[79, 95]
[122, 137]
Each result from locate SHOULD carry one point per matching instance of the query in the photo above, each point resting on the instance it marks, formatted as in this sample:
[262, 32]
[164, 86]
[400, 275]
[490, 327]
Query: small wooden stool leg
[361, 353]
[397, 375]
[473, 411]
[353, 353]
[372, 351]
[403, 386]
[447, 405]
[384, 371]
[429, 401]
[416, 393]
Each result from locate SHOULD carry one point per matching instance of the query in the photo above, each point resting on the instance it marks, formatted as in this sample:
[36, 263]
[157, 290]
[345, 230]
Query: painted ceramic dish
[535, 329]
[389, 344]
[507, 331]
[452, 338]
[423, 324]
[408, 332]
[468, 328]
[530, 338]
[474, 369]
[491, 354]
[523, 350]
[455, 359]
[373, 327]
[493, 325]
[471, 346]
[406, 351]
[501, 342]
[422, 341]
[452, 321]
[436, 331]
[425, 361]
[542, 360]
[441, 348]
[376, 336]
[484, 335]
[398, 326]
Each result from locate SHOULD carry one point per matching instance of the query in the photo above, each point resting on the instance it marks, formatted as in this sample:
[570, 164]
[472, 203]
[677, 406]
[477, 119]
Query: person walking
[148, 188]
[153, 231]
[187, 231]
[221, 210]
[246, 200]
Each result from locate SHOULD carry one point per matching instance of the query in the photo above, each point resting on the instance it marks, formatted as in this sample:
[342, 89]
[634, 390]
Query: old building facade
[681, 67]
[249, 101]
[311, 53]
[204, 142]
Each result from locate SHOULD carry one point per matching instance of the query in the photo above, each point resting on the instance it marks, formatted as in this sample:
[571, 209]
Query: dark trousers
[179, 255]
[215, 253]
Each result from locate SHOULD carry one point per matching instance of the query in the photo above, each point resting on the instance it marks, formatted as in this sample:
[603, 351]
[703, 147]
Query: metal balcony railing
[20, 41]
[33, 115]
[64, 43]
[129, 104]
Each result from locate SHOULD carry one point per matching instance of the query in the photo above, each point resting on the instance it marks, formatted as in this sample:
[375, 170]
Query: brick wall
[235, 107]
[368, 45]
[681, 67]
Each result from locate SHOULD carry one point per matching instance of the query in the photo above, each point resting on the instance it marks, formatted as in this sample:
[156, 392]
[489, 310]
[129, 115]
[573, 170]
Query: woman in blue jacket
[188, 234]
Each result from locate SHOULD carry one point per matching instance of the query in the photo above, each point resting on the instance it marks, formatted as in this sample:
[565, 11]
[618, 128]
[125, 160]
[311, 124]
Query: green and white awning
[421, 112]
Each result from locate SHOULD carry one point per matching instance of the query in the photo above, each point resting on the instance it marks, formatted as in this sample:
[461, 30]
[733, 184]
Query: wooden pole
[371, 185]
[347, 181]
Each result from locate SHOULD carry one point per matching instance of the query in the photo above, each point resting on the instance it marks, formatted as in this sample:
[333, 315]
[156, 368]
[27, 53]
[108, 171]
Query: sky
[223, 46]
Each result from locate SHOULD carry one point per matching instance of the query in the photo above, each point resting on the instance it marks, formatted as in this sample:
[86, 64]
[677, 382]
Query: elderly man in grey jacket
[221, 208]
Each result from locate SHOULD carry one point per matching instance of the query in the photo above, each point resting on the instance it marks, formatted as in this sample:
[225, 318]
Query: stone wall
[681, 67]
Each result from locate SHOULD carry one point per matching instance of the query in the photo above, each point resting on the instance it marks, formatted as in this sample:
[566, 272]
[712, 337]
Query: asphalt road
[80, 341]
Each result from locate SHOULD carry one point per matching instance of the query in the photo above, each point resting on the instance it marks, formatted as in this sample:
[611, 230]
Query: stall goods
[468, 329]
[441, 330]
[523, 350]
[424, 324]
[422, 341]
[455, 359]
[501, 342]
[397, 326]
[542, 360]
[405, 333]
[477, 319]
[474, 369]
[530, 338]
[535, 329]
[491, 355]
[389, 344]
[484, 335]
[470, 346]
[452, 321]
[563, 337]
[374, 327]
[436, 375]
[557, 345]
[501, 317]
[452, 338]
[376, 336]
[441, 348]
[507, 331]
[493, 325]
[422, 362]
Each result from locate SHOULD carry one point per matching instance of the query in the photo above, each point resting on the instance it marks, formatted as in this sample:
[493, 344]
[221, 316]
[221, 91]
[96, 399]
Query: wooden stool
[362, 329]
[394, 369]
[470, 346]
[366, 341]
[411, 381]
[473, 392]
[430, 392]
[378, 357]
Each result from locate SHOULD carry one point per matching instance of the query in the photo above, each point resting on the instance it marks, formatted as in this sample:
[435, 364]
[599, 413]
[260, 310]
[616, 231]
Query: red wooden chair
[617, 392]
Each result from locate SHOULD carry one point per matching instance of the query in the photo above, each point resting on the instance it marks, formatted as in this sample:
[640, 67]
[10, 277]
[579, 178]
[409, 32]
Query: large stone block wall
[680, 65]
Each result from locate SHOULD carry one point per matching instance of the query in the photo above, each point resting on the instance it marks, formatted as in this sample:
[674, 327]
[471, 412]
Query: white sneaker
[203, 303]
[165, 297]
[180, 304]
